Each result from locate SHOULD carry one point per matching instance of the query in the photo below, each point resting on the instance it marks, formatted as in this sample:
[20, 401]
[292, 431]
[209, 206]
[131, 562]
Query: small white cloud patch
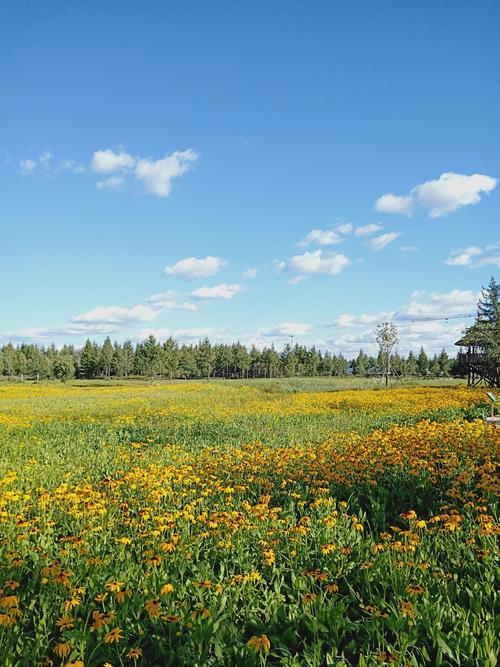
[439, 197]
[192, 268]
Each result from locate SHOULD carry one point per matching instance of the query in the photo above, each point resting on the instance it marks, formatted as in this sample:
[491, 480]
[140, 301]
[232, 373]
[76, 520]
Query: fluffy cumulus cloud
[391, 203]
[286, 329]
[156, 176]
[107, 161]
[316, 262]
[475, 257]
[379, 242]
[439, 197]
[192, 268]
[222, 291]
[249, 274]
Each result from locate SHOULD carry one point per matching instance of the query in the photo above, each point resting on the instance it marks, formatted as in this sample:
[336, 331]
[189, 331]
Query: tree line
[170, 360]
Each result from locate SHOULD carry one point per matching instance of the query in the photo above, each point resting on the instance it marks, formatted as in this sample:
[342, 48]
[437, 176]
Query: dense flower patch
[365, 549]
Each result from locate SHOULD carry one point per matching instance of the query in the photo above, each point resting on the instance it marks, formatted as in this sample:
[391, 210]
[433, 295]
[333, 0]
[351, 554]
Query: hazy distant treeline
[152, 359]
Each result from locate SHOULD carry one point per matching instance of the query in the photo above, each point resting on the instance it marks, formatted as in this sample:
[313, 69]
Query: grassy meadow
[293, 522]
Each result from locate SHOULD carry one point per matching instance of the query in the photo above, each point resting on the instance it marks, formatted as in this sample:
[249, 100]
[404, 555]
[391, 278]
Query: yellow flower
[166, 589]
[309, 597]
[65, 623]
[134, 653]
[115, 586]
[72, 602]
[113, 636]
[260, 643]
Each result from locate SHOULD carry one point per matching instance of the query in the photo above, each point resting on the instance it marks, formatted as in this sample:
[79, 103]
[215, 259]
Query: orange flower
[153, 607]
[407, 609]
[62, 649]
[260, 643]
[65, 623]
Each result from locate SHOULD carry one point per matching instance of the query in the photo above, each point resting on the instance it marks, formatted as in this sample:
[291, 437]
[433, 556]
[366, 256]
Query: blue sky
[151, 154]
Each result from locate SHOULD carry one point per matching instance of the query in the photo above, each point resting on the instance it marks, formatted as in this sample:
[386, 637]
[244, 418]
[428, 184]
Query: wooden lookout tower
[472, 362]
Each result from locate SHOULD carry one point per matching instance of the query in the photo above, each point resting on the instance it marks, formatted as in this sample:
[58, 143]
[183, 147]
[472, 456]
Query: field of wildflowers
[212, 524]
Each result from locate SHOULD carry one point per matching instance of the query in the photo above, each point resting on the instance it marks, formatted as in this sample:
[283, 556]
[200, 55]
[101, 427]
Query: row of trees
[152, 359]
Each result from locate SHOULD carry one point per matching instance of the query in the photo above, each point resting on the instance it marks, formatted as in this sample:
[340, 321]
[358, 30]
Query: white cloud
[161, 297]
[157, 175]
[250, 273]
[376, 244]
[440, 196]
[439, 304]
[29, 166]
[493, 260]
[346, 228]
[406, 249]
[475, 257]
[113, 183]
[192, 268]
[286, 329]
[222, 291]
[420, 322]
[347, 321]
[118, 315]
[107, 161]
[315, 262]
[323, 237]
[367, 229]
[391, 203]
[45, 163]
[71, 166]
[296, 280]
[463, 257]
[169, 301]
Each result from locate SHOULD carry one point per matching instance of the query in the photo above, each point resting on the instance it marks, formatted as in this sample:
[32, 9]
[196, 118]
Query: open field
[233, 523]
